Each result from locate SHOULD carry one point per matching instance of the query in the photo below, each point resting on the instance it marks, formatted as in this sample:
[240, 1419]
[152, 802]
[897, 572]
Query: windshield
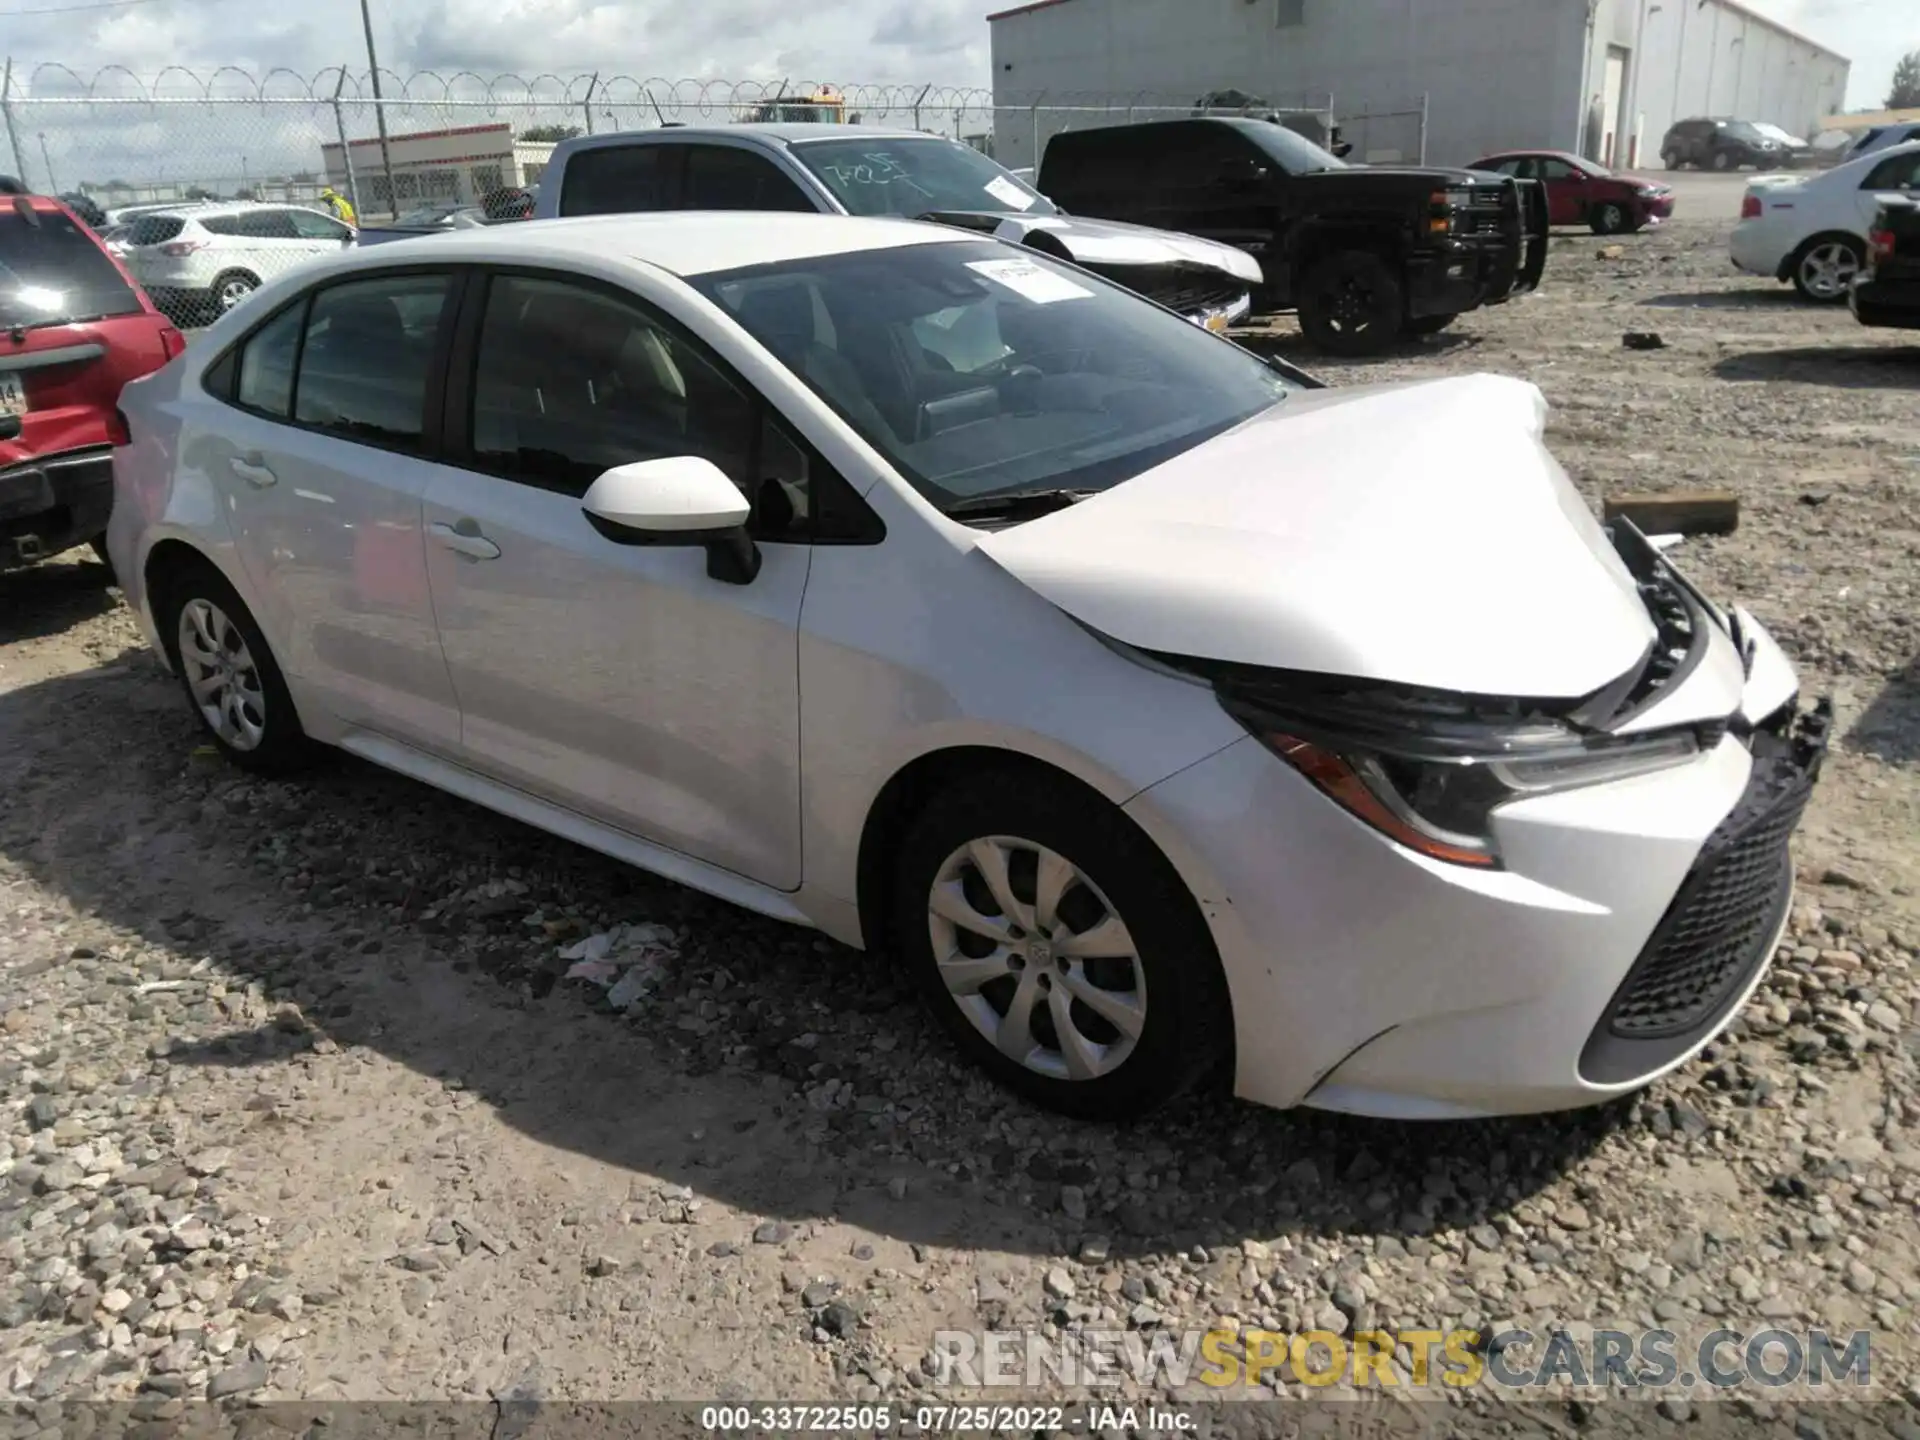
[1742, 130]
[1295, 154]
[910, 176]
[52, 272]
[980, 370]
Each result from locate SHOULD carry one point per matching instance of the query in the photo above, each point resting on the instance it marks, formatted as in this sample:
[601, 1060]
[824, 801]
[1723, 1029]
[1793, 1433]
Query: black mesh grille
[1716, 933]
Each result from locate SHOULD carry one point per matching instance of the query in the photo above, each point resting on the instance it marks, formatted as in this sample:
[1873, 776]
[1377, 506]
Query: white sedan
[1813, 231]
[1167, 714]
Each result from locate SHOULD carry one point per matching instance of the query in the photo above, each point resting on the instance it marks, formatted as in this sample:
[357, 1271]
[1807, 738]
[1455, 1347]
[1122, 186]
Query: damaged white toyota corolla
[1166, 714]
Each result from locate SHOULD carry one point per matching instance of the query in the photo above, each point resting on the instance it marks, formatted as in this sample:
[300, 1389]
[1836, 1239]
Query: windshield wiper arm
[1021, 504]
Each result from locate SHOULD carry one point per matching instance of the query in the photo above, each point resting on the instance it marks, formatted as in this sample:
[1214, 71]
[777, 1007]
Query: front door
[620, 681]
[1566, 188]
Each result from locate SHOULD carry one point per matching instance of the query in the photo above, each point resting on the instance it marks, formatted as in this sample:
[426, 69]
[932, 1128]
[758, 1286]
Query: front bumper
[53, 503]
[1630, 922]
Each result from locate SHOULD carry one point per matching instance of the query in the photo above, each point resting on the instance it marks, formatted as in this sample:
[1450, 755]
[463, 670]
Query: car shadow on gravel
[1296, 349]
[1842, 367]
[1890, 725]
[769, 1068]
[53, 597]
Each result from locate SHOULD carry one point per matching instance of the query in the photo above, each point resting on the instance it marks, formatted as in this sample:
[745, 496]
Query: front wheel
[1823, 271]
[1058, 948]
[1609, 219]
[232, 681]
[1351, 304]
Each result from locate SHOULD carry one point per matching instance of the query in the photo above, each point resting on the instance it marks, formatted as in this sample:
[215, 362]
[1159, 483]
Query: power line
[75, 9]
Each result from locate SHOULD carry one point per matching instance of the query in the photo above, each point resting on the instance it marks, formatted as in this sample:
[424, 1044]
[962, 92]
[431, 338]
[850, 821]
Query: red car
[1580, 192]
[74, 328]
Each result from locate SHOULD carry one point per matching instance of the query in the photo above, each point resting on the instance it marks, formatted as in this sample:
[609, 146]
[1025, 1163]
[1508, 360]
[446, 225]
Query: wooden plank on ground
[1678, 512]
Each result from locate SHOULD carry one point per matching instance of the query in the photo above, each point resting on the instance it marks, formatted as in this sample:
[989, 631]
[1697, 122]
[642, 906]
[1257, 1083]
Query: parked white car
[1159, 708]
[1813, 230]
[199, 261]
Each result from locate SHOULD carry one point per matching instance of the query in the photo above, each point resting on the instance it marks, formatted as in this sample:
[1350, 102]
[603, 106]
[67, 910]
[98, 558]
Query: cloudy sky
[939, 41]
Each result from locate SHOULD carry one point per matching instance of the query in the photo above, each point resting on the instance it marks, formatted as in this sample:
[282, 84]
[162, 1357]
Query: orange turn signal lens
[1342, 784]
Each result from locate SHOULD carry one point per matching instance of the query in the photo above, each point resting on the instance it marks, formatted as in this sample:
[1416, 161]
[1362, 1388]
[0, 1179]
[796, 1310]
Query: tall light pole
[379, 111]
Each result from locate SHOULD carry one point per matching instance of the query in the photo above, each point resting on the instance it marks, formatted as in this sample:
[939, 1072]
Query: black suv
[1711, 144]
[1365, 254]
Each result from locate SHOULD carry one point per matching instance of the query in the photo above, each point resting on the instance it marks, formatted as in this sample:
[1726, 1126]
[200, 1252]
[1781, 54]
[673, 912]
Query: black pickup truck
[1363, 253]
[1887, 292]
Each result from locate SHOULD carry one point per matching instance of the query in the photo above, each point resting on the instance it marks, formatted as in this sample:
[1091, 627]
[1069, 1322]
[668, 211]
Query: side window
[1192, 156]
[266, 364]
[570, 382]
[221, 225]
[311, 225]
[369, 347]
[1555, 170]
[721, 177]
[1896, 174]
[615, 179]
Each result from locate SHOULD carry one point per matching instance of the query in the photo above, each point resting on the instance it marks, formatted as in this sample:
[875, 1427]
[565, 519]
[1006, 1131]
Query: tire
[1610, 219]
[99, 546]
[199, 615]
[1673, 161]
[1822, 270]
[230, 289]
[1430, 324]
[1352, 304]
[1722, 161]
[1164, 975]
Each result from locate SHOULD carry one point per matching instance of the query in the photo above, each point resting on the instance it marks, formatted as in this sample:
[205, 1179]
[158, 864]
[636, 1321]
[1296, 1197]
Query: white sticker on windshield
[1008, 193]
[1029, 281]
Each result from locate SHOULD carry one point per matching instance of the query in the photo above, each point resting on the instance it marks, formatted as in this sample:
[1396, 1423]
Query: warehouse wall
[1720, 59]
[1496, 71]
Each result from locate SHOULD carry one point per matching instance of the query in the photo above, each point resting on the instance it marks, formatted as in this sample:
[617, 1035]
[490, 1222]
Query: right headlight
[1428, 769]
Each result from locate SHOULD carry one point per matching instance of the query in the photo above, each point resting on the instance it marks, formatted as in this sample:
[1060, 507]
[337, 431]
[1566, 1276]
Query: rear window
[154, 229]
[52, 272]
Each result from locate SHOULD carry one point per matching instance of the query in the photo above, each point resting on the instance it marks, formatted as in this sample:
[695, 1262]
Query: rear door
[275, 246]
[322, 460]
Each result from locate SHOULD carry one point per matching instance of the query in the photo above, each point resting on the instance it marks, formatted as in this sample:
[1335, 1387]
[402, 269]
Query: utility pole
[379, 111]
[53, 185]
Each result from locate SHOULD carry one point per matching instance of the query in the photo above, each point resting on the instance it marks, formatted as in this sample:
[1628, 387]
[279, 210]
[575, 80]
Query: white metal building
[460, 165]
[1455, 78]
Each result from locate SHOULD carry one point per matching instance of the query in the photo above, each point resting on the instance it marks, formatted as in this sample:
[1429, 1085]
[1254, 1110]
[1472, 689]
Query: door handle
[250, 469]
[465, 539]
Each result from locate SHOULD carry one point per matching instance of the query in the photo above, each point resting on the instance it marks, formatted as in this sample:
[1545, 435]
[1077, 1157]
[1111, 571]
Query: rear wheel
[1823, 269]
[232, 288]
[1609, 219]
[1351, 304]
[1722, 160]
[1058, 948]
[1673, 161]
[230, 676]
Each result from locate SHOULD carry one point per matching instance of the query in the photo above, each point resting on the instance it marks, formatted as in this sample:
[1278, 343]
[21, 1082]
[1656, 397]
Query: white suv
[199, 261]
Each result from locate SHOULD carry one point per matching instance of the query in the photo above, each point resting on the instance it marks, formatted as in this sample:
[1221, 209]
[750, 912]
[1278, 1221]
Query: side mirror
[1242, 171]
[683, 500]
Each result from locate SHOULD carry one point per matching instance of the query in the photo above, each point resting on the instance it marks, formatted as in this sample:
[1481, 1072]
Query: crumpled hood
[1110, 242]
[1416, 533]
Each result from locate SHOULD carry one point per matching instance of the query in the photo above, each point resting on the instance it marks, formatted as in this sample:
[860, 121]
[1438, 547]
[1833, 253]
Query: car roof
[684, 242]
[204, 208]
[789, 133]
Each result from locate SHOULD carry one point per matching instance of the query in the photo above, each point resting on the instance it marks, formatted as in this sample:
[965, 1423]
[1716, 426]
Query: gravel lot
[297, 1104]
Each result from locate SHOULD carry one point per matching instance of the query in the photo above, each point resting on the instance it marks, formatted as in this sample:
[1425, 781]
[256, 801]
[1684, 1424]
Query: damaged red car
[1580, 192]
[74, 329]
